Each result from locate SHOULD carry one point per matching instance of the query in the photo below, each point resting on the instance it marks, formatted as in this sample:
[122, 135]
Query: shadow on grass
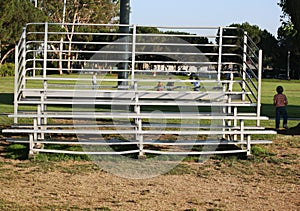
[6, 98]
[269, 110]
[291, 131]
[16, 151]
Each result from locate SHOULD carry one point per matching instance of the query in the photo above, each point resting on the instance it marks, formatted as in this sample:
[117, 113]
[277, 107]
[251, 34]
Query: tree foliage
[81, 11]
[290, 20]
[289, 33]
[262, 38]
[14, 14]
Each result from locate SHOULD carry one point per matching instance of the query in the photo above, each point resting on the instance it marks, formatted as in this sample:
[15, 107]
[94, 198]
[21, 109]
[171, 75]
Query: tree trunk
[59, 53]
[70, 37]
[60, 66]
[6, 55]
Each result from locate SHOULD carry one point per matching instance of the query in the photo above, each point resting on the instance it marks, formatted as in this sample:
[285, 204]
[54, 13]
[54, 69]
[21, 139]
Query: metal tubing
[235, 113]
[244, 65]
[248, 145]
[220, 54]
[45, 51]
[259, 87]
[23, 69]
[16, 85]
[31, 146]
[242, 122]
[133, 55]
[35, 130]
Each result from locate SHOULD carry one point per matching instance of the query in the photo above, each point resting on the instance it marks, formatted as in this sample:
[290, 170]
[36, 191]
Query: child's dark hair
[279, 89]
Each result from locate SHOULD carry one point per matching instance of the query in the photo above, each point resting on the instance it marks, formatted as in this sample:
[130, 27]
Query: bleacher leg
[248, 145]
[31, 145]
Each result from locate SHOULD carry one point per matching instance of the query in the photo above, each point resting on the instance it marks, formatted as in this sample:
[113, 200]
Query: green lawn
[292, 90]
[6, 94]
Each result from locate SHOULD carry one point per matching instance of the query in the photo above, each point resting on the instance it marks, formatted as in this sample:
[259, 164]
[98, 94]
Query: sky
[263, 13]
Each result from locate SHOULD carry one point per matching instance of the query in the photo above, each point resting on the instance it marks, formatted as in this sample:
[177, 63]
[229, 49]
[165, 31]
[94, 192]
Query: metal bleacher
[125, 107]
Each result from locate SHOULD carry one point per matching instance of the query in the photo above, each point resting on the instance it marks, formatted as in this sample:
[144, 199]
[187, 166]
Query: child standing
[280, 102]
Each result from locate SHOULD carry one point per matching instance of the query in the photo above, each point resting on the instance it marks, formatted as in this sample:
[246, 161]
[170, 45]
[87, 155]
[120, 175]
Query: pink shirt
[280, 100]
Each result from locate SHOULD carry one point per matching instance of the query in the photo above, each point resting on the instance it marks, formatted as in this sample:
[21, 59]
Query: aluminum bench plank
[146, 142]
[120, 115]
[85, 152]
[194, 152]
[143, 132]
[144, 125]
[150, 102]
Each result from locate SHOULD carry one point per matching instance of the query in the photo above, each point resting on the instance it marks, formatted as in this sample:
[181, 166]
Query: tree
[289, 34]
[78, 11]
[81, 11]
[263, 39]
[13, 15]
[291, 19]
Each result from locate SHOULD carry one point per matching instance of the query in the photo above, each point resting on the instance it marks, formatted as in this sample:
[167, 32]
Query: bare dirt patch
[266, 182]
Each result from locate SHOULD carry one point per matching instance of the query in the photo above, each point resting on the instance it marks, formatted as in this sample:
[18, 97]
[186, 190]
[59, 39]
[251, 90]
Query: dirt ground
[268, 181]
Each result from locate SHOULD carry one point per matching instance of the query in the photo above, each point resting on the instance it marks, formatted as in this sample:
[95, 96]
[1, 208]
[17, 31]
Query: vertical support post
[35, 129]
[235, 111]
[39, 115]
[244, 66]
[138, 121]
[224, 110]
[16, 84]
[141, 146]
[124, 28]
[248, 145]
[45, 83]
[34, 62]
[23, 65]
[40, 120]
[31, 146]
[136, 98]
[220, 53]
[45, 52]
[35, 144]
[229, 101]
[134, 84]
[20, 71]
[259, 87]
[242, 129]
[37, 126]
[133, 56]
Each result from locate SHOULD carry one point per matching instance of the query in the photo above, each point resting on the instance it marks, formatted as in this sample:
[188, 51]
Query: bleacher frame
[125, 102]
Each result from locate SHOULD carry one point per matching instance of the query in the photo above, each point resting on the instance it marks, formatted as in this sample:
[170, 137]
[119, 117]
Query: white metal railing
[20, 71]
[135, 62]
